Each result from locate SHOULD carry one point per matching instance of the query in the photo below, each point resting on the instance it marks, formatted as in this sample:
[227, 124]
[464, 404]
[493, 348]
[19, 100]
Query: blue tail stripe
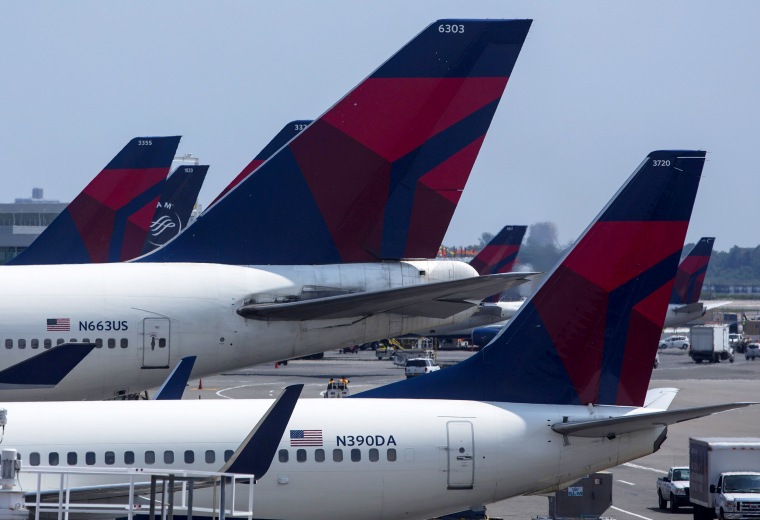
[410, 168]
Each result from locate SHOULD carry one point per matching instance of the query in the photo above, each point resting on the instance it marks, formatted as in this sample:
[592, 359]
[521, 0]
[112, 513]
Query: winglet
[175, 384]
[378, 176]
[589, 333]
[256, 453]
[691, 273]
[46, 369]
[109, 219]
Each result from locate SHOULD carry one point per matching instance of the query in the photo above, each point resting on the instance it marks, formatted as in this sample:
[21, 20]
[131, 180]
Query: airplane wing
[433, 300]
[712, 304]
[614, 426]
[175, 384]
[46, 369]
[689, 308]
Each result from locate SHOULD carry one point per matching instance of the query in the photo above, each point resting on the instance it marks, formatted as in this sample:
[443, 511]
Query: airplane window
[22, 343]
[72, 340]
[210, 456]
[47, 343]
[89, 458]
[161, 342]
[35, 343]
[8, 343]
[319, 455]
[71, 458]
[356, 455]
[227, 455]
[337, 455]
[110, 458]
[52, 458]
[124, 343]
[391, 454]
[60, 341]
[85, 340]
[111, 343]
[129, 457]
[189, 456]
[34, 458]
[282, 455]
[374, 455]
[150, 457]
[301, 455]
[168, 457]
[98, 343]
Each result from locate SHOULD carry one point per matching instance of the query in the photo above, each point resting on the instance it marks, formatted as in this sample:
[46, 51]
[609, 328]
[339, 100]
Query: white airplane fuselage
[679, 314]
[497, 313]
[146, 317]
[383, 459]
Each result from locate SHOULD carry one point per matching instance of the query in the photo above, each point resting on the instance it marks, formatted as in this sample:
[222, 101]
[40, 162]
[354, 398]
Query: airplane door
[155, 343]
[461, 455]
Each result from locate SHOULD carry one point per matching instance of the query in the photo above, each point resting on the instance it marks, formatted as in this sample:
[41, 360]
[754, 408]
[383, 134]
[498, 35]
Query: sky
[597, 86]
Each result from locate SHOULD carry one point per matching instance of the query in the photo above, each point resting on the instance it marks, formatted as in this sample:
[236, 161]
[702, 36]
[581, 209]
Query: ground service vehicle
[419, 366]
[710, 343]
[725, 478]
[673, 489]
[681, 342]
[752, 352]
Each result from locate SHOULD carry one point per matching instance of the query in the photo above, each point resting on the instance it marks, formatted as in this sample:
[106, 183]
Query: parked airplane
[176, 205]
[109, 220]
[143, 317]
[684, 301]
[560, 393]
[500, 253]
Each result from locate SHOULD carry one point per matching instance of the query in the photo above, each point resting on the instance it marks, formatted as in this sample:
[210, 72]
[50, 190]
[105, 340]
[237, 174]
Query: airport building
[23, 220]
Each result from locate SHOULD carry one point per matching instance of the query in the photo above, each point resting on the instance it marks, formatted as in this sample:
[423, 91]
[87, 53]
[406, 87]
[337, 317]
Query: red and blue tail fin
[691, 273]
[589, 333]
[108, 221]
[176, 205]
[378, 176]
[282, 138]
[500, 253]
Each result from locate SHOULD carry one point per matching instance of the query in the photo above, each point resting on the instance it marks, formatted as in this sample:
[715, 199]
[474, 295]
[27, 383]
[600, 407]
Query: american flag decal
[58, 324]
[306, 437]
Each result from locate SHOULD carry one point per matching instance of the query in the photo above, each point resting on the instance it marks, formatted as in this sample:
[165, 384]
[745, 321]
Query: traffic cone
[276, 364]
[200, 384]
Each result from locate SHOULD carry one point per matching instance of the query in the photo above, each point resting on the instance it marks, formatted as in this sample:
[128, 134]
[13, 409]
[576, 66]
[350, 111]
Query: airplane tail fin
[500, 253]
[589, 333]
[288, 132]
[176, 205]
[108, 221]
[378, 176]
[691, 273]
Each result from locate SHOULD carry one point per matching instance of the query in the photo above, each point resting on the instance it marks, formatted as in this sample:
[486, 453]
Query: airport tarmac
[634, 489]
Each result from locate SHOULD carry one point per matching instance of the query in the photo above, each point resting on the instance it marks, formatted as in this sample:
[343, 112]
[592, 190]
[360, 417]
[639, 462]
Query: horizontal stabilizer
[255, 454]
[437, 300]
[614, 426]
[45, 370]
[660, 398]
[689, 308]
[175, 384]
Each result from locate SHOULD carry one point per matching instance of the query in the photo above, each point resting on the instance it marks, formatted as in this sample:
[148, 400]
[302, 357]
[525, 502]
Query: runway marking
[636, 466]
[629, 513]
[626, 482]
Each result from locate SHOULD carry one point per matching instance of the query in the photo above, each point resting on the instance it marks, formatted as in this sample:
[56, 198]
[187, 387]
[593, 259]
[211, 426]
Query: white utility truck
[725, 478]
[710, 343]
